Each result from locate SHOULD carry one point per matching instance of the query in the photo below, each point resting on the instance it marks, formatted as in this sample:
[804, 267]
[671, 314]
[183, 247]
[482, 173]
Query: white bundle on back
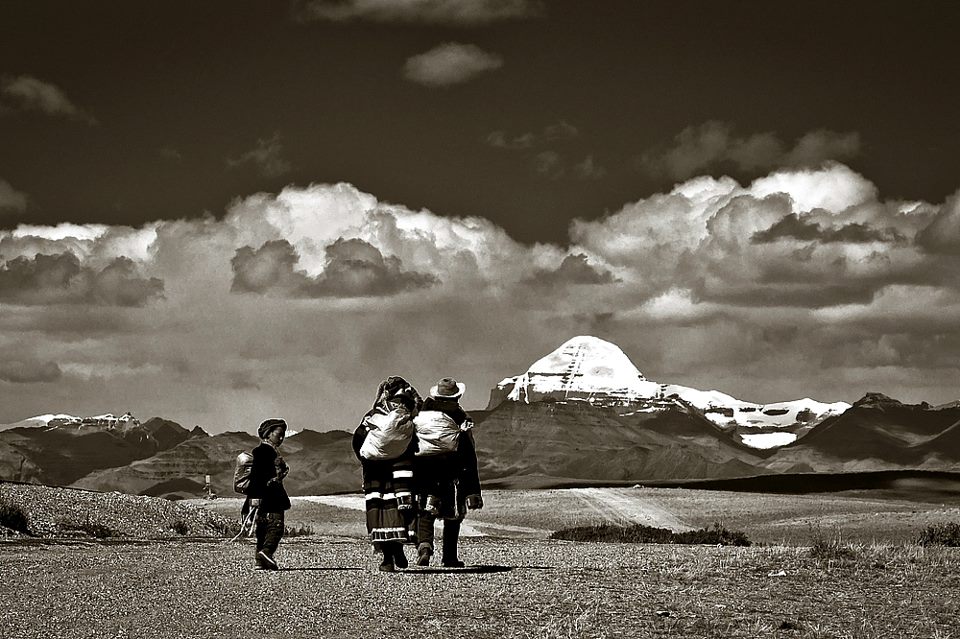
[388, 435]
[437, 432]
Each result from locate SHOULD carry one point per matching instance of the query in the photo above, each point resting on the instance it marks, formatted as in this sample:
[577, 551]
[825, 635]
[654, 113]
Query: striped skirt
[387, 488]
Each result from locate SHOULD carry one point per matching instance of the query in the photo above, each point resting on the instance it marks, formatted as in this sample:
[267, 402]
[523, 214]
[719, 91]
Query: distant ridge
[583, 414]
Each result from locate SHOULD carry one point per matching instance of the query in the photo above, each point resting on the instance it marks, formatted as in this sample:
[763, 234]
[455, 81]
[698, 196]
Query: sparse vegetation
[830, 548]
[88, 526]
[224, 527]
[180, 527]
[640, 534]
[947, 534]
[13, 517]
[297, 531]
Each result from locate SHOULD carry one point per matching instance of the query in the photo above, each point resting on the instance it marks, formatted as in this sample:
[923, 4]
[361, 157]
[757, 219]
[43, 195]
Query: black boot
[386, 565]
[399, 558]
[451, 532]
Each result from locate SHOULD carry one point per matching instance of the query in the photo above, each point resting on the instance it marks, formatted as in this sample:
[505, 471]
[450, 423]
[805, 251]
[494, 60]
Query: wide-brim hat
[269, 424]
[448, 388]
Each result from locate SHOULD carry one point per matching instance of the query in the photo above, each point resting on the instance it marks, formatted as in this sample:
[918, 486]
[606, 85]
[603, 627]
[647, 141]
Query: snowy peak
[583, 368]
[589, 369]
[63, 420]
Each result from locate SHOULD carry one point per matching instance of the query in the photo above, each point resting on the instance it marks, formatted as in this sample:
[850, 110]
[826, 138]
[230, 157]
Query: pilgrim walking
[445, 470]
[384, 443]
[266, 494]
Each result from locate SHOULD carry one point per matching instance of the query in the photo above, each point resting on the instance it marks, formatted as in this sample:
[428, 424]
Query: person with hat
[266, 493]
[447, 478]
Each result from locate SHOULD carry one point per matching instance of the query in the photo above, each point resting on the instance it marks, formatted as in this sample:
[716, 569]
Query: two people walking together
[419, 464]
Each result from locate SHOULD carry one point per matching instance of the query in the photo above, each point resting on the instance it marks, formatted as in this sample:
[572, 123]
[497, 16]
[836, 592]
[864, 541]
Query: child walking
[266, 493]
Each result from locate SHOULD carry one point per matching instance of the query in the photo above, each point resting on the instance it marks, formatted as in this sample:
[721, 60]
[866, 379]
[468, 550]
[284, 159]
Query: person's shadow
[480, 569]
[306, 568]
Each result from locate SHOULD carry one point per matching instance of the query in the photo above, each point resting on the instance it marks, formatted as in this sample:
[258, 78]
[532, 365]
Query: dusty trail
[626, 506]
[612, 505]
[469, 528]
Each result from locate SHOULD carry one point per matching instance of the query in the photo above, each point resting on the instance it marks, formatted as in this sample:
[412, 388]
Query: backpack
[388, 434]
[437, 433]
[241, 474]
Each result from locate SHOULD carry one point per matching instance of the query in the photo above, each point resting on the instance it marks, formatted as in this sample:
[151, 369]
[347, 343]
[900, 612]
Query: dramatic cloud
[801, 282]
[267, 158]
[354, 268]
[450, 63]
[30, 372]
[27, 93]
[61, 279]
[11, 199]
[574, 269]
[792, 227]
[795, 238]
[943, 233]
[448, 12]
[714, 145]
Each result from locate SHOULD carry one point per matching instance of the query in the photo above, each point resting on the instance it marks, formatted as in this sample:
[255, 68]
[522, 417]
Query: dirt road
[627, 506]
[471, 527]
[610, 505]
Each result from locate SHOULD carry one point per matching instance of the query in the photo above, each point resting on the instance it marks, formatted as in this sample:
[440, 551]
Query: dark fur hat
[269, 424]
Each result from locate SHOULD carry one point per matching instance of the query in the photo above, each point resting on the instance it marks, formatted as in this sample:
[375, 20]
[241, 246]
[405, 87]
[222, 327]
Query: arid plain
[822, 565]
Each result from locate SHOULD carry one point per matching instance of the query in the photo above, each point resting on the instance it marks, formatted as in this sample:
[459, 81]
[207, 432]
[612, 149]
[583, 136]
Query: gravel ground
[58, 512]
[147, 580]
[330, 587]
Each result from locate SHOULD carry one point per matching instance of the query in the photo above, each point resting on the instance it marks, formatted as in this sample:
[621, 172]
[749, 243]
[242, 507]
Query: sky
[219, 212]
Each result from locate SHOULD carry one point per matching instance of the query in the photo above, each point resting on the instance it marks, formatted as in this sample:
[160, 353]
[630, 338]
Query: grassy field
[766, 518]
[872, 582]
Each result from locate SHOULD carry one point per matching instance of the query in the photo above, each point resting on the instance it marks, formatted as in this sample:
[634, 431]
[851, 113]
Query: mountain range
[582, 413]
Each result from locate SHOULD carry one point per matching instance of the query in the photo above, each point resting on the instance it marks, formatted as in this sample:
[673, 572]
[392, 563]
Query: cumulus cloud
[61, 279]
[447, 12]
[714, 145]
[354, 268]
[307, 297]
[450, 63]
[29, 372]
[27, 93]
[11, 199]
[267, 158]
[792, 227]
[943, 233]
[574, 269]
[805, 238]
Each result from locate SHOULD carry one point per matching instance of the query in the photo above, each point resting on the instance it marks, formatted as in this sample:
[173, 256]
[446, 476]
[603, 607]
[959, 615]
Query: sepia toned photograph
[479, 319]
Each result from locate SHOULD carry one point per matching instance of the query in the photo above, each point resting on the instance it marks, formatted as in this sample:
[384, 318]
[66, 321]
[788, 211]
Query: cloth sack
[388, 434]
[437, 432]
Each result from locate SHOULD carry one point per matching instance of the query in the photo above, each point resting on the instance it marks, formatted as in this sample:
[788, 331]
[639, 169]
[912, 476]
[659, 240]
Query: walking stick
[247, 523]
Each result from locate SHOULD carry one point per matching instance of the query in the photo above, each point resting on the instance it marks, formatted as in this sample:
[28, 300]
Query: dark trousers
[451, 533]
[269, 532]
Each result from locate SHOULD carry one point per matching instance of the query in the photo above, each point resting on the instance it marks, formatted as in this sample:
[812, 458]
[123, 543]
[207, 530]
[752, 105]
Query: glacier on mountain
[589, 369]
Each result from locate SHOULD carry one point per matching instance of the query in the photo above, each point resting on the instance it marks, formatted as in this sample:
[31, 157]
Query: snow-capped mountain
[589, 369]
[63, 420]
